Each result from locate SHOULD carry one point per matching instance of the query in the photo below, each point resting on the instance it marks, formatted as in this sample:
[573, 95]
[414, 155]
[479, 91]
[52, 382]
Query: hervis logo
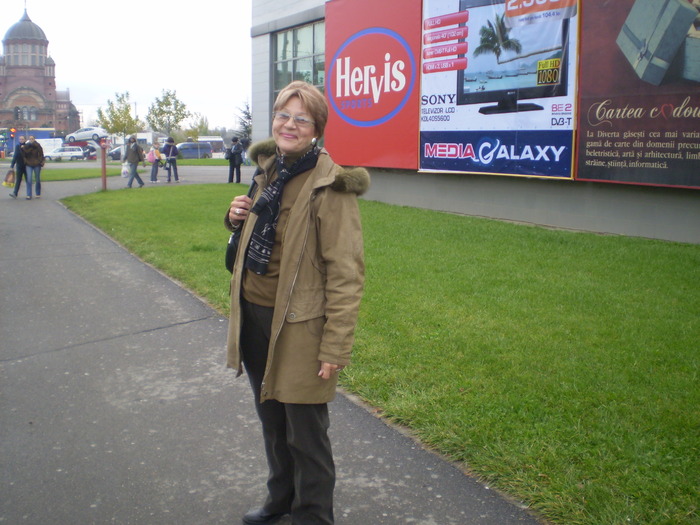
[371, 77]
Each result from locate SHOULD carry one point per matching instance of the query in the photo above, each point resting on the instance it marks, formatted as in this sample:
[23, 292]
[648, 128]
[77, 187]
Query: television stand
[508, 107]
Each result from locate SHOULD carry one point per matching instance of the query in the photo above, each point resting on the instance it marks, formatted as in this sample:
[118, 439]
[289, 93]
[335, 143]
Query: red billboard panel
[372, 82]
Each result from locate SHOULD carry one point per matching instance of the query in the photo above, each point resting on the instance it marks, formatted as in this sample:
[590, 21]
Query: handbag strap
[253, 186]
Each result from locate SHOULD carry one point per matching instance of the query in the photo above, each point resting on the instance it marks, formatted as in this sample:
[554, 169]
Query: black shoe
[261, 516]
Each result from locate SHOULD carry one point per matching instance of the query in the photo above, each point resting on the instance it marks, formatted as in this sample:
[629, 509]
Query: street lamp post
[104, 144]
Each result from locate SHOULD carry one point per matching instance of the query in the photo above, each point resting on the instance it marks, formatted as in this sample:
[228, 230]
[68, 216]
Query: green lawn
[561, 367]
[81, 171]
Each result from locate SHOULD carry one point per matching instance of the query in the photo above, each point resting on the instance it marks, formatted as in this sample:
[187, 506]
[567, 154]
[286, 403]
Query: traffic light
[12, 133]
[18, 113]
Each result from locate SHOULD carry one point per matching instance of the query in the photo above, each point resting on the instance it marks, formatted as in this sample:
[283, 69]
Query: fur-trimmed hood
[347, 180]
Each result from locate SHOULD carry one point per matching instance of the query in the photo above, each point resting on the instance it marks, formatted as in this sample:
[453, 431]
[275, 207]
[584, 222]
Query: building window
[299, 54]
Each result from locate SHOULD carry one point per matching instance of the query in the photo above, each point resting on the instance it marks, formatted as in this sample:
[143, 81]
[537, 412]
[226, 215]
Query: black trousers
[21, 172]
[299, 456]
[234, 168]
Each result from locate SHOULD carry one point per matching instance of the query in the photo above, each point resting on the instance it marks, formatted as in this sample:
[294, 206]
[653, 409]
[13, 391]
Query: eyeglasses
[302, 122]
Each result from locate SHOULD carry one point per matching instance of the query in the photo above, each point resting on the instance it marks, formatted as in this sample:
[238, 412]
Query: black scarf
[267, 209]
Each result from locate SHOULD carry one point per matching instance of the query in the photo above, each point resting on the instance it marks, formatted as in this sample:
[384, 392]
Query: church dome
[25, 29]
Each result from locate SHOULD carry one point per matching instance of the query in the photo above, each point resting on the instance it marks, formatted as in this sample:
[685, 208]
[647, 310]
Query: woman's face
[291, 137]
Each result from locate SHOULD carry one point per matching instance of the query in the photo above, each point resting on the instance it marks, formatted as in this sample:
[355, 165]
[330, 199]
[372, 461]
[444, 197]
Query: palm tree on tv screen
[496, 39]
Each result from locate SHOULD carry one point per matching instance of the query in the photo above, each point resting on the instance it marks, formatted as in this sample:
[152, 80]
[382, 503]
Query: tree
[117, 119]
[198, 126]
[166, 113]
[245, 121]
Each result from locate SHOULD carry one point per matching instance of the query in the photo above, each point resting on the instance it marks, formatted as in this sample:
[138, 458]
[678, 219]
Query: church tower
[28, 96]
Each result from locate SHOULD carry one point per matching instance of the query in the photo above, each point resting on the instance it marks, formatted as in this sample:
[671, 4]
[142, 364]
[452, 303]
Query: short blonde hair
[311, 98]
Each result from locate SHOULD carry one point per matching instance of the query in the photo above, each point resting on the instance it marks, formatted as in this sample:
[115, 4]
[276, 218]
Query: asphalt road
[116, 407]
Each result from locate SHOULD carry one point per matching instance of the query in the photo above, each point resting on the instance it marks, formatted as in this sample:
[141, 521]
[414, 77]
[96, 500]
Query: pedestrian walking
[18, 165]
[33, 161]
[134, 156]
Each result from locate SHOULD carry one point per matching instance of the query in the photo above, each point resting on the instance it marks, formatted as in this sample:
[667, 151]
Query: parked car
[90, 133]
[115, 153]
[193, 150]
[65, 152]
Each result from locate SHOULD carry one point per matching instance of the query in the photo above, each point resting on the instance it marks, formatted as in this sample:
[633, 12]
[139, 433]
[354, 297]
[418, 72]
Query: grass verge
[89, 171]
[561, 367]
[50, 175]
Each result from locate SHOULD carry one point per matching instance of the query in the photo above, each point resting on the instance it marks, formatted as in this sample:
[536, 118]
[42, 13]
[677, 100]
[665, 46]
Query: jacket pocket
[306, 304]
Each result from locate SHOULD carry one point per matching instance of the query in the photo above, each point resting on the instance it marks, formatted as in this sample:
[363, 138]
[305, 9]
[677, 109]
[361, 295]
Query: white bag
[126, 169]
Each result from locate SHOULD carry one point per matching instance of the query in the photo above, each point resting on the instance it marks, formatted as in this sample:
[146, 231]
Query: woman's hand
[328, 369]
[240, 206]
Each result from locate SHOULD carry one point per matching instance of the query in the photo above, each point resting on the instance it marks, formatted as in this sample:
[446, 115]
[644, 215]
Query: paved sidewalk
[115, 406]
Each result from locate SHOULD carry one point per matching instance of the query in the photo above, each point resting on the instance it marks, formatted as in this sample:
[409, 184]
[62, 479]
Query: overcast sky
[199, 49]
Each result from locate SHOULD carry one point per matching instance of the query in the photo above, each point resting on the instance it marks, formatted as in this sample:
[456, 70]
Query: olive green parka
[320, 283]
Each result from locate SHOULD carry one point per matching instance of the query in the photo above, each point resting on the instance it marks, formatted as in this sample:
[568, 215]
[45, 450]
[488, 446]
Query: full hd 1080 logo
[371, 77]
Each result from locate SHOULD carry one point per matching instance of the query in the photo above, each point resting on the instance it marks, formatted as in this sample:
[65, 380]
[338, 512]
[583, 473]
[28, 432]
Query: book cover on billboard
[639, 119]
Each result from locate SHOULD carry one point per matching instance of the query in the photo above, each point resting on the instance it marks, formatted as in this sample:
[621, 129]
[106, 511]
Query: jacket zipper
[273, 341]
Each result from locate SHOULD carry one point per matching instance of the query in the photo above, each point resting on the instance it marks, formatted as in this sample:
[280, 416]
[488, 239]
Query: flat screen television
[505, 65]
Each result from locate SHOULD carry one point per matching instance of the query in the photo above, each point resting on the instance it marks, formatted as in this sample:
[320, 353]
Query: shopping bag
[9, 181]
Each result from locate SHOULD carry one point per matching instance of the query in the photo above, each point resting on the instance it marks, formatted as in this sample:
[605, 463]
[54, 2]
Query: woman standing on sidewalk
[295, 294]
[235, 159]
[170, 150]
[33, 155]
[154, 157]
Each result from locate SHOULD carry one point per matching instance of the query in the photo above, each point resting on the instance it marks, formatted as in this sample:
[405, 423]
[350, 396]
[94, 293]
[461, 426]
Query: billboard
[498, 87]
[606, 92]
[372, 82]
[640, 93]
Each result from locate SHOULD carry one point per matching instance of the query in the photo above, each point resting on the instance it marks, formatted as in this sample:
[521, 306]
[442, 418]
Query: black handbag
[234, 239]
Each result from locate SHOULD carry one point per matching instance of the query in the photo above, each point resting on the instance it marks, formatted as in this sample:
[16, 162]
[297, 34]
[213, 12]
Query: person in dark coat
[21, 170]
[235, 159]
[170, 151]
[134, 155]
